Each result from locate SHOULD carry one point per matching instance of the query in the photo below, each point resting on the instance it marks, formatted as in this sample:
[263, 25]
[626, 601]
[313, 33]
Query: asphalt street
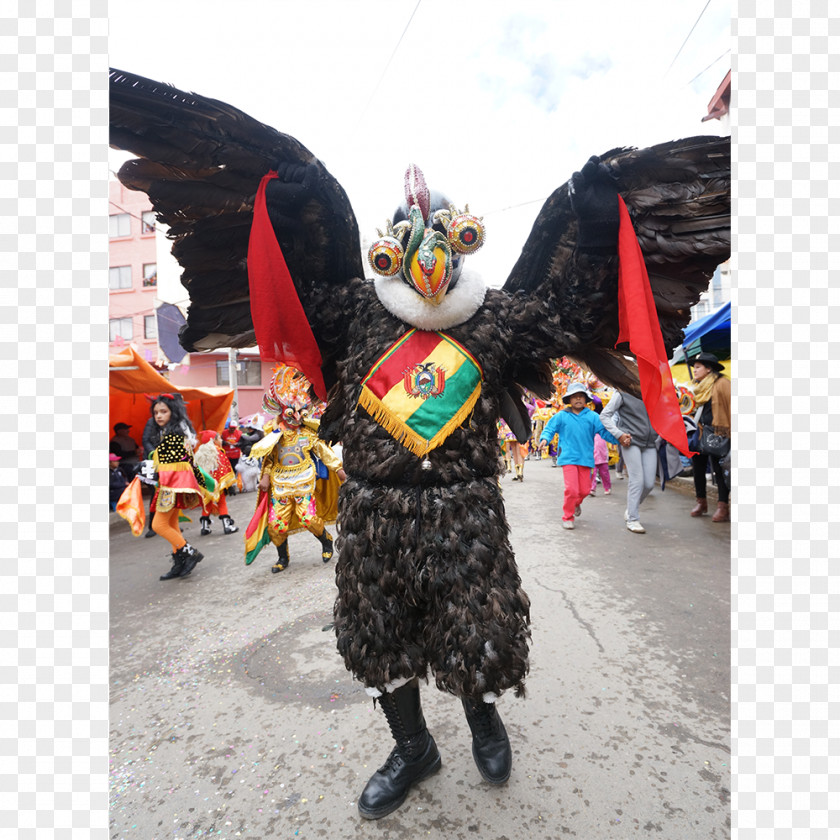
[232, 715]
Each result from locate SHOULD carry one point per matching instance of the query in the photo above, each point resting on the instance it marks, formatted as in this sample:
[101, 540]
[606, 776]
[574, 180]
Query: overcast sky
[497, 107]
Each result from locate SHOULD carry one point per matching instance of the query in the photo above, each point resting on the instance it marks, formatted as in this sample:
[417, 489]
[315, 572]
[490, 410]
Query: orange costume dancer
[210, 457]
[181, 484]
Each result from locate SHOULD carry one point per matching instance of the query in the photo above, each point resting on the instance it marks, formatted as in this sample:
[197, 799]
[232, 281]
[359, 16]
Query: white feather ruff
[459, 305]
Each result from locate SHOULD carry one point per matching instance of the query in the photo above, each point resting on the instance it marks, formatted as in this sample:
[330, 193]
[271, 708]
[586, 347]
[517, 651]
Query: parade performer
[211, 458]
[543, 412]
[420, 363]
[576, 428]
[513, 451]
[504, 433]
[181, 484]
[291, 451]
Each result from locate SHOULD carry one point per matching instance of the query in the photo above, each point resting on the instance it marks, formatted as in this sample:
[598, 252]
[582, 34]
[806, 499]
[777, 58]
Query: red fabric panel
[280, 323]
[638, 325]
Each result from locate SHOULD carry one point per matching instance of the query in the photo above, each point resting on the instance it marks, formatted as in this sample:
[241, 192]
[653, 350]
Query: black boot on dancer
[414, 758]
[282, 558]
[191, 557]
[491, 746]
[326, 546]
[177, 566]
[228, 525]
[205, 526]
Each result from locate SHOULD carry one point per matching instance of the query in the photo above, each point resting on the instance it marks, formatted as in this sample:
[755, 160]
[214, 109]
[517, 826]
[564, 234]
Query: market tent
[132, 378]
[712, 334]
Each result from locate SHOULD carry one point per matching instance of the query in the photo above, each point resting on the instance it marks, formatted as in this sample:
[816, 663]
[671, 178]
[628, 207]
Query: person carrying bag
[712, 392]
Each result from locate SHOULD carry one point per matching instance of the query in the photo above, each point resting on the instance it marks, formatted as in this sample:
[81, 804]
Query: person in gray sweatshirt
[626, 414]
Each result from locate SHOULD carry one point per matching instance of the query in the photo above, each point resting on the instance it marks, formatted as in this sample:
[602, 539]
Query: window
[248, 372]
[119, 277]
[147, 223]
[120, 328]
[149, 275]
[150, 326]
[119, 224]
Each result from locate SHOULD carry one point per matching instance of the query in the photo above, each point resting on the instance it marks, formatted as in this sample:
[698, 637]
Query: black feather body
[425, 572]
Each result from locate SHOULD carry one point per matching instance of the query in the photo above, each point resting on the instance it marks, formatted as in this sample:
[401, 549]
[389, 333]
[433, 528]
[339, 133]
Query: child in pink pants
[602, 466]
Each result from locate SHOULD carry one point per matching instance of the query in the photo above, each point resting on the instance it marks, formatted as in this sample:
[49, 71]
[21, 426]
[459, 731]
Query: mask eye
[466, 233]
[289, 413]
[386, 256]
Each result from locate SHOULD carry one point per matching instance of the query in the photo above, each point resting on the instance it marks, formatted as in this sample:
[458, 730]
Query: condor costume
[419, 365]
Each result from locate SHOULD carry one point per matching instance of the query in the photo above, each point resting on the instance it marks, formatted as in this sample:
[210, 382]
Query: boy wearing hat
[576, 429]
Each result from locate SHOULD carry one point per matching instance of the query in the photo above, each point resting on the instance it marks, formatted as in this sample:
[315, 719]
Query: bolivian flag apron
[421, 389]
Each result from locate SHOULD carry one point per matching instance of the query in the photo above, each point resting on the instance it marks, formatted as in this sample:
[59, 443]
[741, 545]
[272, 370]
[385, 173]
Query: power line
[687, 37]
[387, 66]
[725, 52]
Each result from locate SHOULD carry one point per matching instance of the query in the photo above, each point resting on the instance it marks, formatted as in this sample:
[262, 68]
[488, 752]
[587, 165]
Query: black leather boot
[326, 546]
[414, 758]
[191, 556]
[282, 558]
[228, 525]
[177, 566]
[491, 746]
[205, 526]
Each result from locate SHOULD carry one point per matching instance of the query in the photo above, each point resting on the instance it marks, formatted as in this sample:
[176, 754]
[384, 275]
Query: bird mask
[426, 241]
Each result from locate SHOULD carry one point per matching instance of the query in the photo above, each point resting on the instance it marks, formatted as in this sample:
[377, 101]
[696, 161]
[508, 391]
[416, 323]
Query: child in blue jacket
[576, 429]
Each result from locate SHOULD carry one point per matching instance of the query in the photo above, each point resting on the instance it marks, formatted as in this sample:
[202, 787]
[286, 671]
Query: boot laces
[484, 721]
[407, 745]
[394, 761]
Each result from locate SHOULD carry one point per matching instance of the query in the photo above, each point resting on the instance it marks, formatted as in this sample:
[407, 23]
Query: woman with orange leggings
[181, 484]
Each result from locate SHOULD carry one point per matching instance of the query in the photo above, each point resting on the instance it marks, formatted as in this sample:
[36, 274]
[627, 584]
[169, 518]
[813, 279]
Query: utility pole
[234, 408]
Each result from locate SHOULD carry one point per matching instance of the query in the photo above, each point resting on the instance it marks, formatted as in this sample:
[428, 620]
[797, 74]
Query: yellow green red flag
[256, 534]
[421, 389]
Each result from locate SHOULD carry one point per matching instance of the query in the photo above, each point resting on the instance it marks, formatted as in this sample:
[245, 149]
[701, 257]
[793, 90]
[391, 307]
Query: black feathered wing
[201, 162]
[678, 197]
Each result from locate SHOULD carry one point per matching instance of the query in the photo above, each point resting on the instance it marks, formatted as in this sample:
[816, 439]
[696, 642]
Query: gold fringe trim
[172, 466]
[403, 433]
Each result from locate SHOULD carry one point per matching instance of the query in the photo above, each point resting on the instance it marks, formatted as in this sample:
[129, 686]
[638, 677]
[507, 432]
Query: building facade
[132, 281]
[134, 254]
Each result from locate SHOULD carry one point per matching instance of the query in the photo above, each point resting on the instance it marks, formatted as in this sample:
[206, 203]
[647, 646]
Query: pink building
[252, 375]
[133, 272]
[133, 299]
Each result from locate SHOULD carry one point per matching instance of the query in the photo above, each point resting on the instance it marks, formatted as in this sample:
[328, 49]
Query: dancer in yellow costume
[291, 497]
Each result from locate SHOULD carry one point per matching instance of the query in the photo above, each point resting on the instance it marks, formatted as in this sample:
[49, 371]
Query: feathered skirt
[427, 580]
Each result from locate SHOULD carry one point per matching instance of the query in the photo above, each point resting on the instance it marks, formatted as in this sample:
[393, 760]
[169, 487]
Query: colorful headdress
[427, 244]
[288, 388]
